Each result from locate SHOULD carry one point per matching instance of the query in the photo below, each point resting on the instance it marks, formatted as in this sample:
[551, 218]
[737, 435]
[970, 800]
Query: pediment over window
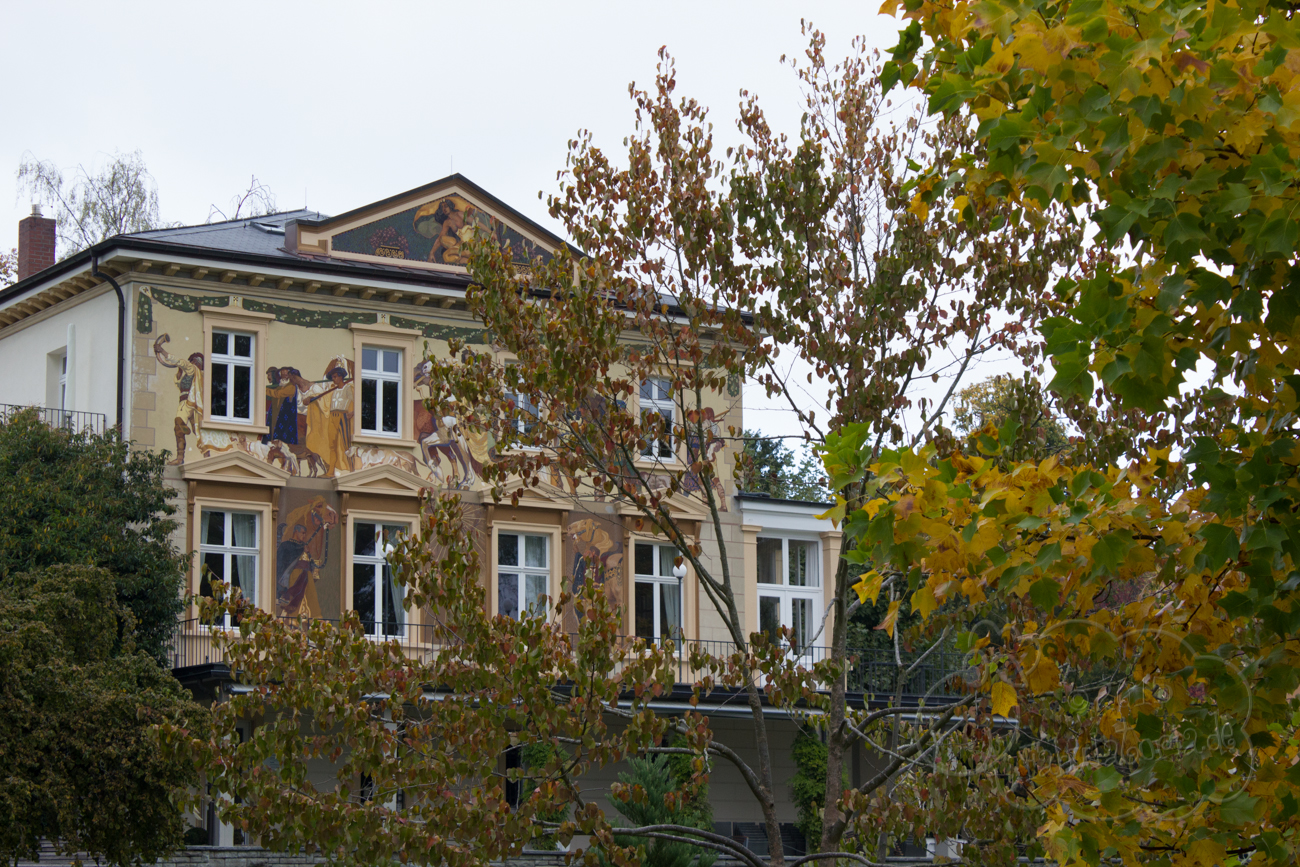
[543, 496]
[428, 227]
[680, 506]
[383, 479]
[234, 466]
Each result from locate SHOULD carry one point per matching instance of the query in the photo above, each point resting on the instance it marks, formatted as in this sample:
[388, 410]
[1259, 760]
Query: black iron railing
[872, 670]
[192, 642]
[64, 419]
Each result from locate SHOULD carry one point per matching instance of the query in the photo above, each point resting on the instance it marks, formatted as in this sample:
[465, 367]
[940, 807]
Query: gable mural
[438, 232]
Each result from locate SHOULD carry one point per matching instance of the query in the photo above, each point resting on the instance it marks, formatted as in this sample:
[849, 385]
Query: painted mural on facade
[593, 553]
[310, 400]
[454, 453]
[189, 384]
[310, 422]
[312, 393]
[437, 231]
[307, 555]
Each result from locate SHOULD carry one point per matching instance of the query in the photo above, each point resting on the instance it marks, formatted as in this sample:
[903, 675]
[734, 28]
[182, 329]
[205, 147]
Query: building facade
[280, 360]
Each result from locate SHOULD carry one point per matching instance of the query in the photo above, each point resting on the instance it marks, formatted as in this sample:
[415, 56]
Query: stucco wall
[26, 348]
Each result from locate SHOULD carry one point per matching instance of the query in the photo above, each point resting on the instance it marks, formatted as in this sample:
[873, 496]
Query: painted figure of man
[281, 405]
[303, 549]
[189, 381]
[295, 570]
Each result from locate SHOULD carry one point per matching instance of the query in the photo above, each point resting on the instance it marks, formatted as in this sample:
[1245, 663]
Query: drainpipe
[121, 341]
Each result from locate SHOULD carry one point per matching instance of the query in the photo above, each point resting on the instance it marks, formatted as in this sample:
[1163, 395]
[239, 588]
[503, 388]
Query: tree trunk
[836, 741]
[776, 854]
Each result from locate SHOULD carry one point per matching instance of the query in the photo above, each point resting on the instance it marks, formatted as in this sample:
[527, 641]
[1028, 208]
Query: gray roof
[264, 237]
[261, 235]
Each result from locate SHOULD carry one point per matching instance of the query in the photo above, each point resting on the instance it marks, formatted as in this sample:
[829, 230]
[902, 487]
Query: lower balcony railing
[872, 670]
[64, 419]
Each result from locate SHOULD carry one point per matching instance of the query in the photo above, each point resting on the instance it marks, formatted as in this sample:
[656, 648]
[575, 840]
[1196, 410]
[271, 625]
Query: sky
[335, 105]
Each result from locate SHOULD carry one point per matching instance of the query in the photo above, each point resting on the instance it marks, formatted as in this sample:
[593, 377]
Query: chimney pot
[36, 235]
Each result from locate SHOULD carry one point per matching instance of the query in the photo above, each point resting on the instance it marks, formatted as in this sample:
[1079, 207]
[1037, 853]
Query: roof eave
[124, 244]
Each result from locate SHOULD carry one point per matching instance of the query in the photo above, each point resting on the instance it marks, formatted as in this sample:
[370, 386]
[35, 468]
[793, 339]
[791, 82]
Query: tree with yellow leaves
[1174, 127]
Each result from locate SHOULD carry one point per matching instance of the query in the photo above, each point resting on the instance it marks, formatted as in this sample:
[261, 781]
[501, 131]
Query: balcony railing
[64, 419]
[872, 670]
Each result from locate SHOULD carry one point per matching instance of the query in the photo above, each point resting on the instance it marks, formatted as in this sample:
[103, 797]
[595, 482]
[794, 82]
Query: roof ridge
[200, 226]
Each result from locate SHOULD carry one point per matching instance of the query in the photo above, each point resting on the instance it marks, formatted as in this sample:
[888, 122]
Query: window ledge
[523, 450]
[380, 440]
[644, 463]
[236, 426]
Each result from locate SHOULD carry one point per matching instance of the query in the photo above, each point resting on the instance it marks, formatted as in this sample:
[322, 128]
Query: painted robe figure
[189, 381]
[598, 558]
[302, 550]
[328, 408]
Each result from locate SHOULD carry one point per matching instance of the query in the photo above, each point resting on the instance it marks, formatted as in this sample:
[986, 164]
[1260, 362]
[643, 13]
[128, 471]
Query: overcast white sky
[341, 104]
[338, 104]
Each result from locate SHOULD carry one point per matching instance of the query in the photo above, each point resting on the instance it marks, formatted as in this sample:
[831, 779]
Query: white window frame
[381, 335]
[229, 550]
[787, 593]
[657, 583]
[523, 403]
[380, 376]
[232, 361]
[658, 450]
[522, 571]
[59, 395]
[376, 562]
[233, 318]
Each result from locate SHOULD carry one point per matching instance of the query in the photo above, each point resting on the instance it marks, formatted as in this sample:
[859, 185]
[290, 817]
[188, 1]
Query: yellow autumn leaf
[923, 601]
[919, 207]
[1043, 675]
[1001, 60]
[868, 586]
[1004, 698]
[1206, 852]
[891, 617]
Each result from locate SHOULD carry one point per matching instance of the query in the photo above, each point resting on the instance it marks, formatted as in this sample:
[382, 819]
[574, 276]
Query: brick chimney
[35, 244]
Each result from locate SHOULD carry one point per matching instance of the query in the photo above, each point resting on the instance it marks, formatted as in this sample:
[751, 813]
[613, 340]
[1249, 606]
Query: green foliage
[87, 499]
[809, 786]
[698, 807]
[535, 757]
[655, 781]
[1011, 404]
[771, 467]
[865, 631]
[78, 701]
[1172, 126]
